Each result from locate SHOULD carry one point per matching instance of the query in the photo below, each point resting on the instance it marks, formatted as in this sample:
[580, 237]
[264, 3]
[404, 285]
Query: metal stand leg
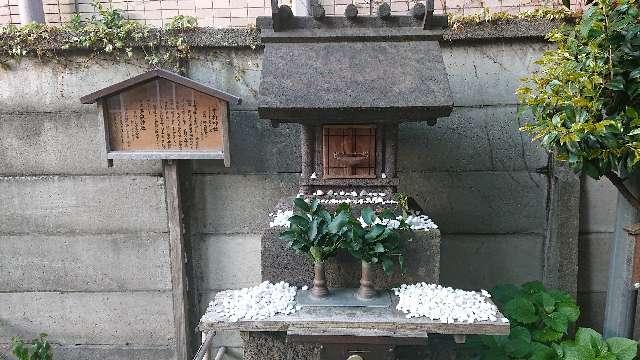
[203, 352]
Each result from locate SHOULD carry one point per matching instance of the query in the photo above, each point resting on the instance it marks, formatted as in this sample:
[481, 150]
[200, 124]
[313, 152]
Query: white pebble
[254, 303]
[445, 304]
[281, 219]
[305, 288]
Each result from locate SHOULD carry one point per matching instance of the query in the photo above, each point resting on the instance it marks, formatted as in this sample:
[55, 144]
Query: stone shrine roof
[367, 70]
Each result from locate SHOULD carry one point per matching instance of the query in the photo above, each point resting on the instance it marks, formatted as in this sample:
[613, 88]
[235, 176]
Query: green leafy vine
[106, 33]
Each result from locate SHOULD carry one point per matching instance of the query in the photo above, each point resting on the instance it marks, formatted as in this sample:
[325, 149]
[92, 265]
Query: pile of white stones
[420, 222]
[446, 304]
[281, 218]
[416, 222]
[352, 197]
[254, 303]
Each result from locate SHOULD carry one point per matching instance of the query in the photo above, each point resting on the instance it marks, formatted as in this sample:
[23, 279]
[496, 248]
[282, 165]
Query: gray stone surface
[563, 229]
[257, 147]
[227, 261]
[471, 139]
[597, 206]
[476, 261]
[117, 262]
[488, 73]
[317, 86]
[59, 143]
[480, 202]
[236, 71]
[135, 318]
[82, 204]
[108, 352]
[282, 264]
[274, 346]
[592, 306]
[594, 261]
[57, 86]
[232, 204]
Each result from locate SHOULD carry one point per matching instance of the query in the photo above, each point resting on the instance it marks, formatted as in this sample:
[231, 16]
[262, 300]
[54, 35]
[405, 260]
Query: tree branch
[619, 184]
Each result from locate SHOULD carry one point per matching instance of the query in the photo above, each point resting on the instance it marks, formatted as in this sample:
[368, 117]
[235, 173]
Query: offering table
[341, 333]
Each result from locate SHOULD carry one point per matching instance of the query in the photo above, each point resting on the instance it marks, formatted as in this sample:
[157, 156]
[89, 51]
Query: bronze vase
[319, 289]
[366, 290]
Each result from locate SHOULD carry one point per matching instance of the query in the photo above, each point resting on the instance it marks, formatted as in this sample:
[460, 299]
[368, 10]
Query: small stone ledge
[503, 29]
[250, 37]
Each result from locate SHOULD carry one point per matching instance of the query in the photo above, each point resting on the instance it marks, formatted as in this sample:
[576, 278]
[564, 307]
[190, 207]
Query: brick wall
[239, 13]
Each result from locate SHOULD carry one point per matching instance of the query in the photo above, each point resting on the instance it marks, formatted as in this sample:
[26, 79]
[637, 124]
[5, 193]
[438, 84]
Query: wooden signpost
[162, 115]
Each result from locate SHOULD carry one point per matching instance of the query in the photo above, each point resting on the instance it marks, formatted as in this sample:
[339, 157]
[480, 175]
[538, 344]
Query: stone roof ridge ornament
[283, 20]
[281, 15]
[428, 16]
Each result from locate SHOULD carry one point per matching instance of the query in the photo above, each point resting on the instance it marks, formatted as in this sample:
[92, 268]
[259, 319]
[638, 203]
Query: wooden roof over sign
[155, 74]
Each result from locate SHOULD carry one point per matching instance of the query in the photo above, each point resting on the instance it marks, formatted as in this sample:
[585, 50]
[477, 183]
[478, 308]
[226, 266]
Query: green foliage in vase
[585, 98]
[39, 349]
[373, 241]
[540, 319]
[315, 231]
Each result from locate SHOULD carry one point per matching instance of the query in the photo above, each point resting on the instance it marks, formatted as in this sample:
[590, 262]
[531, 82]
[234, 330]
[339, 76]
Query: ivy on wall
[110, 33]
[107, 33]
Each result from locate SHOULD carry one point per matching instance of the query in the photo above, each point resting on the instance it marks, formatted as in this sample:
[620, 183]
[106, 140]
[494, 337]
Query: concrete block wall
[84, 249]
[597, 221]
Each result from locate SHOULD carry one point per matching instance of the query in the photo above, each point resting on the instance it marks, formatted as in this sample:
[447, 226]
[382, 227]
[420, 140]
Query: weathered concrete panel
[488, 73]
[597, 206]
[59, 143]
[113, 353]
[108, 352]
[593, 253]
[138, 318]
[236, 71]
[82, 204]
[592, 306]
[85, 263]
[471, 139]
[480, 202]
[227, 261]
[484, 261]
[257, 147]
[50, 86]
[232, 204]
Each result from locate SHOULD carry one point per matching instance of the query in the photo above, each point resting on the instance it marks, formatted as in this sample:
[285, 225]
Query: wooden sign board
[161, 115]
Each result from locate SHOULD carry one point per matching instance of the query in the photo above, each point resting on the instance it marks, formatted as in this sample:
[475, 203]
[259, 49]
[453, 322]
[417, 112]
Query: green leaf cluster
[319, 233]
[373, 242]
[39, 349]
[315, 231]
[540, 320]
[585, 97]
[589, 345]
[106, 33]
